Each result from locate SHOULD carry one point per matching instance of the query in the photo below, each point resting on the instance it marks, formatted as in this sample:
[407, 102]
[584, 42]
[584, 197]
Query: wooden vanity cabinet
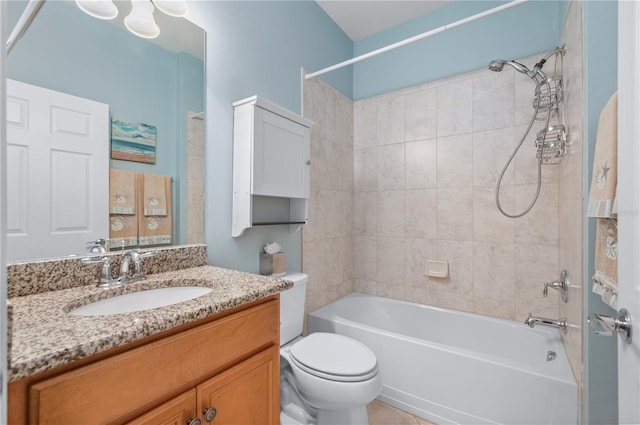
[243, 394]
[230, 364]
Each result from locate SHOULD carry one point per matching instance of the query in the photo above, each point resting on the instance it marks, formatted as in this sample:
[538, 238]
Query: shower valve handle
[561, 285]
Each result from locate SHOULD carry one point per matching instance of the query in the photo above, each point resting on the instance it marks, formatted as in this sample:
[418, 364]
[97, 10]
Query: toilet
[325, 378]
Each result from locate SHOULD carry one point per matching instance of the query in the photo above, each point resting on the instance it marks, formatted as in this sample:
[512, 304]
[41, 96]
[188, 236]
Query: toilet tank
[292, 307]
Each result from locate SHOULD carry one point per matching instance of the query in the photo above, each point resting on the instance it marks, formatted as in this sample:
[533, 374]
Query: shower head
[498, 65]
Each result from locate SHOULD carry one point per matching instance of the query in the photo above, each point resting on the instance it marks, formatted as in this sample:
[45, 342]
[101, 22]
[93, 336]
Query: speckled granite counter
[45, 336]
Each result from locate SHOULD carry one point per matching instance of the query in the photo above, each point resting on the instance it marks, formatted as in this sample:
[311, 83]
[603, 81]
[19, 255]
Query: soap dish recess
[437, 268]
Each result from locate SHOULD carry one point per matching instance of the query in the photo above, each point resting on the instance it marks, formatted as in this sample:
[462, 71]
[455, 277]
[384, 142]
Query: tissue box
[273, 264]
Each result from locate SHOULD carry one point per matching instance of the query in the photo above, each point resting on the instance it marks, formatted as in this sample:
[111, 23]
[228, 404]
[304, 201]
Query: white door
[629, 206]
[57, 172]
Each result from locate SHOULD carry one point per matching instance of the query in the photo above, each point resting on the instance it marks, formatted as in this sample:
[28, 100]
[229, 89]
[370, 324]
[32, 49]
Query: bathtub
[453, 367]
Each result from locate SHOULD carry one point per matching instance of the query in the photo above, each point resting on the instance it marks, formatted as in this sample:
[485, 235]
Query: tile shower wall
[327, 239]
[426, 163]
[570, 188]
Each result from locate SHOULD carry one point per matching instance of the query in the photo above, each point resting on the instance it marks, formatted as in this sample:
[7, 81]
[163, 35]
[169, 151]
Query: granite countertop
[43, 335]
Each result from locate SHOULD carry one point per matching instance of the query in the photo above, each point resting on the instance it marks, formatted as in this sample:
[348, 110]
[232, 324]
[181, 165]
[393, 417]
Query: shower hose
[513, 155]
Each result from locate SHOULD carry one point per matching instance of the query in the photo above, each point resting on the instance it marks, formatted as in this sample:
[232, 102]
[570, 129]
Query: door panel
[58, 172]
[629, 206]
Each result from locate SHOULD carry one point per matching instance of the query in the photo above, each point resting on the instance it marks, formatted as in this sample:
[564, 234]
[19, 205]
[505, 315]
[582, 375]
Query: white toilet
[325, 378]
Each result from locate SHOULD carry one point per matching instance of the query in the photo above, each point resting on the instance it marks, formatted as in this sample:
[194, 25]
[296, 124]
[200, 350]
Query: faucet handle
[561, 285]
[97, 246]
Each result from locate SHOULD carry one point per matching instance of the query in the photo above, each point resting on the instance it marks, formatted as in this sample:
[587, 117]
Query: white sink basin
[143, 300]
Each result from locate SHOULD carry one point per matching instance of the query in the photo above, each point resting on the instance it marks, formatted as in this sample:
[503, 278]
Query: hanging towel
[156, 229]
[602, 197]
[154, 195]
[605, 280]
[602, 204]
[122, 192]
[123, 231]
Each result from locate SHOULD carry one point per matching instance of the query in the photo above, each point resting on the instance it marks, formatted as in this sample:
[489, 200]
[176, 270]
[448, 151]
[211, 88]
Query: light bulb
[101, 9]
[140, 21]
[177, 8]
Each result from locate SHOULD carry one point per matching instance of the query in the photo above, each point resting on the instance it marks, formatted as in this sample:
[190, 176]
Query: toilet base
[355, 416]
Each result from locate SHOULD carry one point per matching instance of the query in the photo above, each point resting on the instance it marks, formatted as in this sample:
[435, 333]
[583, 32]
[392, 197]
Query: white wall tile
[420, 115]
[455, 217]
[391, 120]
[366, 259]
[391, 261]
[391, 216]
[493, 100]
[489, 225]
[491, 151]
[390, 167]
[540, 225]
[421, 164]
[365, 219]
[365, 124]
[365, 170]
[455, 161]
[494, 272]
[454, 110]
[421, 213]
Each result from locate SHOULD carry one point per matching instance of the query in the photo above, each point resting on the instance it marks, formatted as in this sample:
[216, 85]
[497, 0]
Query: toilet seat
[334, 357]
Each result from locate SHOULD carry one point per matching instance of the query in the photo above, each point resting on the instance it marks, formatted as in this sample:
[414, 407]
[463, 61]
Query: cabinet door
[177, 411]
[280, 156]
[245, 394]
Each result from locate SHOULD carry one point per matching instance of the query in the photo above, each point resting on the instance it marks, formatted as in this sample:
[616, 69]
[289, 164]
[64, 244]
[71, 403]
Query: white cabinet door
[57, 172]
[281, 156]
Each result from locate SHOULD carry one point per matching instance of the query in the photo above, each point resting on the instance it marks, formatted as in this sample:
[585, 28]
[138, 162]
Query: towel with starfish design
[602, 204]
[602, 197]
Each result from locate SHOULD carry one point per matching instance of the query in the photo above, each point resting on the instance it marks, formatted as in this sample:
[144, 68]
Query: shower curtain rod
[23, 23]
[415, 38]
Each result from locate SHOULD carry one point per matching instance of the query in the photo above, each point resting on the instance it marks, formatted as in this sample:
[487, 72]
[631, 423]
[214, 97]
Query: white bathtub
[454, 367]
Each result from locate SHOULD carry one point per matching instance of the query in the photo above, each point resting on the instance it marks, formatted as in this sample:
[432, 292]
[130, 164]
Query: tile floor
[383, 414]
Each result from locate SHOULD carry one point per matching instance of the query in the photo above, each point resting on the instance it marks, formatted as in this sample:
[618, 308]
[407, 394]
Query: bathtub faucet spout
[558, 324]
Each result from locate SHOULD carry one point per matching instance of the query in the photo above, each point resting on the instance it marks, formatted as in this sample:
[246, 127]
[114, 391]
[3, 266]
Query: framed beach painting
[133, 141]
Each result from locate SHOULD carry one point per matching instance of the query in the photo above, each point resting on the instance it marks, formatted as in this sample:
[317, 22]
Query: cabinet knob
[209, 414]
[194, 421]
[308, 162]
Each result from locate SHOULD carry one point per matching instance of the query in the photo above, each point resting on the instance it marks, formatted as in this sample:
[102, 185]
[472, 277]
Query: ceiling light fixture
[176, 8]
[140, 21]
[101, 9]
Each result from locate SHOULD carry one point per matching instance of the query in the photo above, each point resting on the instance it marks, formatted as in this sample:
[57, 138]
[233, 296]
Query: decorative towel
[602, 197]
[156, 229]
[154, 195]
[605, 280]
[123, 228]
[122, 192]
[602, 204]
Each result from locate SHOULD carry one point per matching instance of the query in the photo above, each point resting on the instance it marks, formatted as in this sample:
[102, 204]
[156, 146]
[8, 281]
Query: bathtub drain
[551, 355]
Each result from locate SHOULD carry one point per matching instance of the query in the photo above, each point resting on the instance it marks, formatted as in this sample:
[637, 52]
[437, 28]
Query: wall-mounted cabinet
[271, 157]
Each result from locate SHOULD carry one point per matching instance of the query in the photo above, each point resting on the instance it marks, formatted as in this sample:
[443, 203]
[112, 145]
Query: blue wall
[521, 31]
[67, 51]
[600, 82]
[257, 48]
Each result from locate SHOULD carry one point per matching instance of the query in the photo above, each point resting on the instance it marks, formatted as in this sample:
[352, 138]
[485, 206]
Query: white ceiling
[362, 18]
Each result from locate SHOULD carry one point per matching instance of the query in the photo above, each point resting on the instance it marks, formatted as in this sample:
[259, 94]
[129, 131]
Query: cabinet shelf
[271, 158]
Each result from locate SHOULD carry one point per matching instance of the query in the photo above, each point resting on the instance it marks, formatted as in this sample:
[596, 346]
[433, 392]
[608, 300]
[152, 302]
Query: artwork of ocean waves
[131, 141]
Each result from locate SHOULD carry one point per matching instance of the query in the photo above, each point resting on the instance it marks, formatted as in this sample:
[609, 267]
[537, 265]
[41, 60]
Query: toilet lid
[335, 357]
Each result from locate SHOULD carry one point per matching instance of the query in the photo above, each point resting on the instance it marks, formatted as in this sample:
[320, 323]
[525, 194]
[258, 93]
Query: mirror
[158, 82]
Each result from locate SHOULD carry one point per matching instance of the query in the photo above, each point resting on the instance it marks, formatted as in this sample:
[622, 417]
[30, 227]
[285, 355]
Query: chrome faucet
[132, 258]
[558, 324]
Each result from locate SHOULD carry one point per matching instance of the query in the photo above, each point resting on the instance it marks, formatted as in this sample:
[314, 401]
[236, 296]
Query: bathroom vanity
[212, 357]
